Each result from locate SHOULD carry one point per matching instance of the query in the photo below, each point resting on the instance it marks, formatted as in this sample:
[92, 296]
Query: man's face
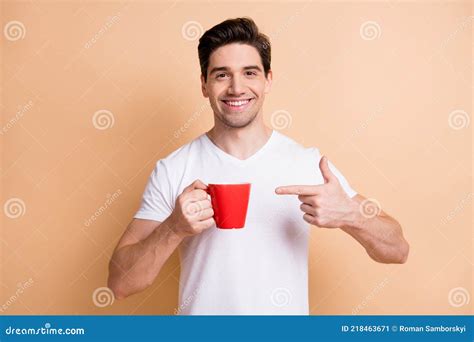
[236, 84]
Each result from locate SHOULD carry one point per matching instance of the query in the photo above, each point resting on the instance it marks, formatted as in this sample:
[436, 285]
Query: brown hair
[238, 30]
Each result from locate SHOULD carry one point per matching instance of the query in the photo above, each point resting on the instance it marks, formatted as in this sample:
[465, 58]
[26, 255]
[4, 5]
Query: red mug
[230, 203]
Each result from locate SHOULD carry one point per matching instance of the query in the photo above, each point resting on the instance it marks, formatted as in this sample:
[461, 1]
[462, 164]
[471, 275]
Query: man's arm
[328, 206]
[146, 244]
[140, 254]
[381, 235]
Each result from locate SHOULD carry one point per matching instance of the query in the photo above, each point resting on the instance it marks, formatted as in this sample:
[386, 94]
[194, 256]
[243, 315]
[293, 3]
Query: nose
[236, 87]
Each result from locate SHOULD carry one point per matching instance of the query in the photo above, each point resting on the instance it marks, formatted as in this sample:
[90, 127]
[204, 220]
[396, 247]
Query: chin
[236, 123]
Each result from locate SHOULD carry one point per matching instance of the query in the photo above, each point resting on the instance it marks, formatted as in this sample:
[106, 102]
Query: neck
[240, 142]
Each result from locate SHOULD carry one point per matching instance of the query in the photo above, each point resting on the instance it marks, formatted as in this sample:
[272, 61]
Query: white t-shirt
[261, 269]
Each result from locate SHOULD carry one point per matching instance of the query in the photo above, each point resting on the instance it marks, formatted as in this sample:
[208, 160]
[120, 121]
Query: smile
[237, 105]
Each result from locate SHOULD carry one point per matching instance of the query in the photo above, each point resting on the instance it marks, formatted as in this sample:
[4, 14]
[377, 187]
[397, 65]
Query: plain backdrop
[93, 93]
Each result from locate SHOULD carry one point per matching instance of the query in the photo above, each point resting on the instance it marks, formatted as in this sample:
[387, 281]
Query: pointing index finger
[298, 190]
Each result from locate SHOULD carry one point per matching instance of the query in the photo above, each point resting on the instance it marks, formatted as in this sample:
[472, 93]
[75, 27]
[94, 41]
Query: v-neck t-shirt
[261, 269]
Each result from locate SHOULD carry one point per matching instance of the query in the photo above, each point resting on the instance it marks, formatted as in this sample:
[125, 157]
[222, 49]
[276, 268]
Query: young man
[263, 268]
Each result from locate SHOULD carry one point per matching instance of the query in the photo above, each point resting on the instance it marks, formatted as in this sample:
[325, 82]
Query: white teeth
[237, 103]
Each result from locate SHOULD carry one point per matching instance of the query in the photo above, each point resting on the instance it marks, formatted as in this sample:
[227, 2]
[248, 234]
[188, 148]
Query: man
[262, 268]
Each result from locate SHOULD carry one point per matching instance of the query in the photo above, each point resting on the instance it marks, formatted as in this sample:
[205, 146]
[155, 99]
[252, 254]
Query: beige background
[383, 88]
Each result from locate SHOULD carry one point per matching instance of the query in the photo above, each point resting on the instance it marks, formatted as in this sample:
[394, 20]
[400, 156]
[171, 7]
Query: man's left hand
[325, 205]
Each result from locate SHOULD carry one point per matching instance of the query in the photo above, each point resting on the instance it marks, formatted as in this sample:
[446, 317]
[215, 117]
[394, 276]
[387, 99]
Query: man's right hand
[193, 211]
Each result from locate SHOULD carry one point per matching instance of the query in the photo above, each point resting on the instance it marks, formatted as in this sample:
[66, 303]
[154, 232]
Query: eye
[251, 73]
[220, 75]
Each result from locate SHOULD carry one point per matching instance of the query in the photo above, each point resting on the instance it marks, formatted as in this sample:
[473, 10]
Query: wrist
[354, 219]
[173, 232]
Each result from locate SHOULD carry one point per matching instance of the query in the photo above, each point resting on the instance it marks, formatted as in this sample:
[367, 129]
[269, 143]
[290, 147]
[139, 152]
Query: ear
[268, 82]
[203, 87]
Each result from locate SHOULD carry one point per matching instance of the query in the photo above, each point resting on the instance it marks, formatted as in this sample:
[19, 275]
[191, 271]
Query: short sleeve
[156, 202]
[344, 183]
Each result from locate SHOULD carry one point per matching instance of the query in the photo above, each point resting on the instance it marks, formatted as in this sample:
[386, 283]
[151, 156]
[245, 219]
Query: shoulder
[177, 159]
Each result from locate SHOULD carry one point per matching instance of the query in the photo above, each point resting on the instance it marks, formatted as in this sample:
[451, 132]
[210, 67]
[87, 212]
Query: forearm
[381, 236]
[134, 267]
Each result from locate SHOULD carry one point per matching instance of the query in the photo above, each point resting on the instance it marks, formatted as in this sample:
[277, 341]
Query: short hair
[238, 30]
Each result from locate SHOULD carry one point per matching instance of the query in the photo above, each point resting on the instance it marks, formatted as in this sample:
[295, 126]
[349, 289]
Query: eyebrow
[248, 67]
